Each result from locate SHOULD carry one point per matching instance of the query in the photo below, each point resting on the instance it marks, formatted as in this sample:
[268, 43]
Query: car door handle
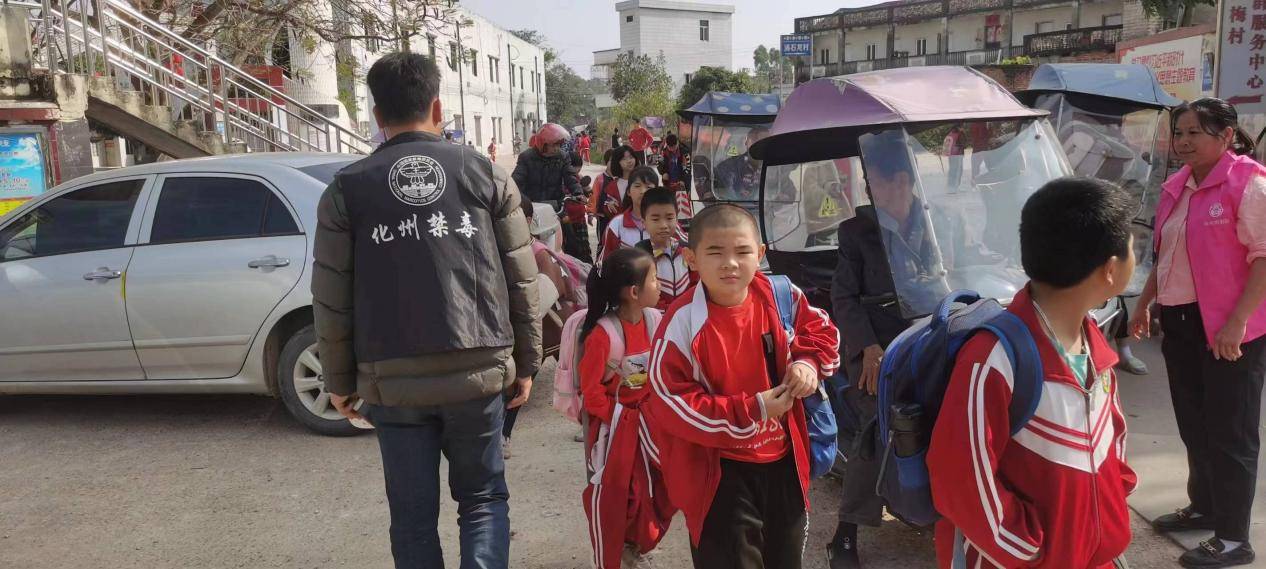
[269, 261]
[103, 274]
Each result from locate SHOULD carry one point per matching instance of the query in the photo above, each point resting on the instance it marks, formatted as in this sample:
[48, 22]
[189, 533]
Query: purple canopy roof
[822, 118]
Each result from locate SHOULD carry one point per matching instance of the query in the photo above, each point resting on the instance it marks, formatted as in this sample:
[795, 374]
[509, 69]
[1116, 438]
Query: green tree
[1169, 8]
[771, 68]
[714, 79]
[568, 97]
[634, 74]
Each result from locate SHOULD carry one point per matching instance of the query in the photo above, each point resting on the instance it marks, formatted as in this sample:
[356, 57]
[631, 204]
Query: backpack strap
[785, 302]
[615, 335]
[1026, 364]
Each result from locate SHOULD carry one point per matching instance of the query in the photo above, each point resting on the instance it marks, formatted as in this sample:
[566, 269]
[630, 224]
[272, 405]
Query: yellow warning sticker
[829, 207]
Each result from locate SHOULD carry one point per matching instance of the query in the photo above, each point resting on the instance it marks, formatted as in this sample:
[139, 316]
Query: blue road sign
[797, 44]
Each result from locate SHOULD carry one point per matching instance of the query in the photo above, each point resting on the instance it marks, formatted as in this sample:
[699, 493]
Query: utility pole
[509, 67]
[539, 87]
[401, 43]
[461, 74]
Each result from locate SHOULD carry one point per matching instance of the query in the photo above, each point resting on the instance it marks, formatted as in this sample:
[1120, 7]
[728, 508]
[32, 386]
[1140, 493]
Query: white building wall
[1093, 13]
[829, 40]
[488, 96]
[967, 33]
[856, 40]
[1025, 22]
[675, 34]
[906, 37]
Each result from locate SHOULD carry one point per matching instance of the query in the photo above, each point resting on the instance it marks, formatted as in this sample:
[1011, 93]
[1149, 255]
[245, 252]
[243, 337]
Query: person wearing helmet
[544, 174]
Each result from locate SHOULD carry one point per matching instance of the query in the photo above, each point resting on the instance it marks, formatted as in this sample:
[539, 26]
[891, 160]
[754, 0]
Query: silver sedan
[189, 276]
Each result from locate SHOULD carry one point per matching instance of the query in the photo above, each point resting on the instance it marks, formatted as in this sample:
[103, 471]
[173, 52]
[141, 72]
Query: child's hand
[801, 380]
[777, 401]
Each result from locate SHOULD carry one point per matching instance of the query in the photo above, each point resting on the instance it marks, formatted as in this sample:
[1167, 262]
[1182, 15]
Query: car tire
[302, 388]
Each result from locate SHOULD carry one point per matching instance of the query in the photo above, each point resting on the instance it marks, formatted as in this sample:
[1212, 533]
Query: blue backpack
[912, 380]
[817, 408]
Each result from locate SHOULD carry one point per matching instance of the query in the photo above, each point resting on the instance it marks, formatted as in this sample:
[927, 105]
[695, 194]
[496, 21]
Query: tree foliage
[568, 97]
[714, 79]
[635, 74]
[771, 68]
[1170, 8]
[247, 30]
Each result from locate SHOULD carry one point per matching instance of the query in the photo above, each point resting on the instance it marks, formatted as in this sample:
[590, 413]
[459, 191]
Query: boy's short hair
[719, 216]
[403, 85]
[1072, 226]
[659, 195]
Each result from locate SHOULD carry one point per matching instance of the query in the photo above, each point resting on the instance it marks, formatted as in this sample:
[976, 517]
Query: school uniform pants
[757, 519]
[1218, 407]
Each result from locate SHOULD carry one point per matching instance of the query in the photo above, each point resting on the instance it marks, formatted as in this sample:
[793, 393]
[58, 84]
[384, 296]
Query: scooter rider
[543, 173]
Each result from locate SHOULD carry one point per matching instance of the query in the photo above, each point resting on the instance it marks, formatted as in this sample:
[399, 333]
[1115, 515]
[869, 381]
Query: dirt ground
[233, 482]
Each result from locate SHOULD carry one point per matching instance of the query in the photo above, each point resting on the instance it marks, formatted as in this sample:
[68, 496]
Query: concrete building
[689, 35]
[962, 32]
[492, 87]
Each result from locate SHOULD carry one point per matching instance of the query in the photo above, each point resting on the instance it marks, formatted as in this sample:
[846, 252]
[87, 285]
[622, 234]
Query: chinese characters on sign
[1242, 69]
[22, 173]
[436, 226]
[1177, 64]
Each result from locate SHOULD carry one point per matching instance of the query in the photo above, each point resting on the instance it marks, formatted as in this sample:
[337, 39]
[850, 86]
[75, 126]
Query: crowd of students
[685, 421]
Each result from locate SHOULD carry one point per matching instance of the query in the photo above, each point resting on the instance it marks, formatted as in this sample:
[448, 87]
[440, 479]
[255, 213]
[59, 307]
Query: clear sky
[577, 28]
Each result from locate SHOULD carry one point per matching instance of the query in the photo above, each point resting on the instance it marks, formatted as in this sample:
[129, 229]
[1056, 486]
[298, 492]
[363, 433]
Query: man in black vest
[425, 300]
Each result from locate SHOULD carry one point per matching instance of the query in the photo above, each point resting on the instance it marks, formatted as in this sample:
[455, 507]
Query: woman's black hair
[671, 139]
[644, 174]
[624, 267]
[613, 161]
[1215, 116]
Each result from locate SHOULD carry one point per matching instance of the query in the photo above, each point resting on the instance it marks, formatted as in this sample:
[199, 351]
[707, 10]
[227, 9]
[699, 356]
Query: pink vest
[1218, 260]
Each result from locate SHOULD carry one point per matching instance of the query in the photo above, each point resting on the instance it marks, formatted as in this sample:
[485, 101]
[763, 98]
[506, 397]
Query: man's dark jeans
[469, 435]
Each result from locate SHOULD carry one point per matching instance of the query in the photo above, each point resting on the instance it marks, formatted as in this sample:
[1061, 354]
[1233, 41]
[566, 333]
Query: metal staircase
[140, 72]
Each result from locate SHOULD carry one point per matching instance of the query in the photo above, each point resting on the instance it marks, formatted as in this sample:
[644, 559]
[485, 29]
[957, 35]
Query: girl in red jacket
[625, 501]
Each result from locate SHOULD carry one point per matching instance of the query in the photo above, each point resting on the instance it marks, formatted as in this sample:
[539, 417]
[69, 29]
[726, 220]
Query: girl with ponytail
[625, 500]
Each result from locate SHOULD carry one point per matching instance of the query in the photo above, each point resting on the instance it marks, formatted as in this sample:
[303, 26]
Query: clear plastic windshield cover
[721, 168]
[1126, 149]
[804, 204]
[947, 200]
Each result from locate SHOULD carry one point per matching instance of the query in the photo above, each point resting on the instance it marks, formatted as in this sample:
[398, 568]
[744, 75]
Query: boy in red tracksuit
[1052, 495]
[734, 447]
[659, 213]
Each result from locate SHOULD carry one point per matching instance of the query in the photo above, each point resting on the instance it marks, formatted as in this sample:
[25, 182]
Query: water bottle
[908, 433]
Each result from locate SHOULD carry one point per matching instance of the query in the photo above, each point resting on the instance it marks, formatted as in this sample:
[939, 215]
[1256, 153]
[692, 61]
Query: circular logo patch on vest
[1216, 210]
[417, 180]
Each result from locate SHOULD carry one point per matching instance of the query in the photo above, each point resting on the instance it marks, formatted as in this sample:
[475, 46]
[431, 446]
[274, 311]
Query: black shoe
[842, 554]
[1183, 520]
[1209, 554]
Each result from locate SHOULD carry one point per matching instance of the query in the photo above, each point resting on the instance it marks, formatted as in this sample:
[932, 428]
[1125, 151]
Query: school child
[627, 228]
[732, 439]
[1053, 494]
[625, 500]
[659, 214]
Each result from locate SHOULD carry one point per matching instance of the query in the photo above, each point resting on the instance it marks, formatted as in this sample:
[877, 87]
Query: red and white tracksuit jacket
[625, 500]
[674, 275]
[692, 424]
[1053, 495]
[625, 230]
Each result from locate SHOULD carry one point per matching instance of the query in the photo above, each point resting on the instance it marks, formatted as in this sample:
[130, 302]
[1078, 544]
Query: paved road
[231, 481]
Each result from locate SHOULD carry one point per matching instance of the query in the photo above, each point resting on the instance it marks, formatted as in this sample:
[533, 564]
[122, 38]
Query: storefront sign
[1242, 55]
[22, 172]
[1178, 65]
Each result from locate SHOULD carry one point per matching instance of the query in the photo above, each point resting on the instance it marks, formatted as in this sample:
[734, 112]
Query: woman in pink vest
[1209, 283]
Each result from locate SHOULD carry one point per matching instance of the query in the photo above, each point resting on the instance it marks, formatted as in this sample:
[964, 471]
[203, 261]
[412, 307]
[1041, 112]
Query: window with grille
[921, 46]
[703, 30]
[872, 51]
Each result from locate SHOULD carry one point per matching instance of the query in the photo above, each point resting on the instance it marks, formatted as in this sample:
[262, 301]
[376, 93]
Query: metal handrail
[131, 48]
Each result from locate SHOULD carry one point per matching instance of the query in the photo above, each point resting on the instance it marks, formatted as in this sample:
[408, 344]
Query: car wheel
[303, 390]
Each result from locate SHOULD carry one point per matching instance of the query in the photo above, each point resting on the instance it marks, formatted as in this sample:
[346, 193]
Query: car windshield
[947, 200]
[325, 171]
[722, 169]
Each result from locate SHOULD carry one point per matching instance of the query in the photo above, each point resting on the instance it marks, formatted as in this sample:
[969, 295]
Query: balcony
[972, 57]
[1068, 42]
